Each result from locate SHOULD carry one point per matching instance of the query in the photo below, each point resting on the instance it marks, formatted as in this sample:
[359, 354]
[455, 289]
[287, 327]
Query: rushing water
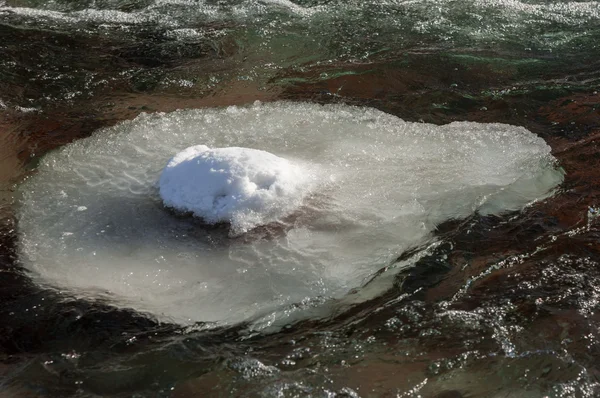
[199, 46]
[434, 261]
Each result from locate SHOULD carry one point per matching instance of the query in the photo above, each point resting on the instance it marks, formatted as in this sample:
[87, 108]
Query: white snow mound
[241, 186]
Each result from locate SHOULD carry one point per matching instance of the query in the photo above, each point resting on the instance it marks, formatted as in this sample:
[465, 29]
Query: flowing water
[426, 258]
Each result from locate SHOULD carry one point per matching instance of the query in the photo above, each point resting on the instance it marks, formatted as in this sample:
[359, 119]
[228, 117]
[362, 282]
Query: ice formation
[92, 222]
[240, 186]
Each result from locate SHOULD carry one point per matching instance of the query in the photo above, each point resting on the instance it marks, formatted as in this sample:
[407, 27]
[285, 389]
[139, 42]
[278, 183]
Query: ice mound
[92, 221]
[240, 186]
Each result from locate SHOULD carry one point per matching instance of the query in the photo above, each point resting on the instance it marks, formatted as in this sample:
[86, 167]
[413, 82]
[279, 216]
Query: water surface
[503, 305]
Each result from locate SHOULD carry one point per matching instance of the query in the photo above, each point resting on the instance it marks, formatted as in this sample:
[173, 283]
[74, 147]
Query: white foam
[111, 17]
[240, 186]
[476, 19]
[380, 187]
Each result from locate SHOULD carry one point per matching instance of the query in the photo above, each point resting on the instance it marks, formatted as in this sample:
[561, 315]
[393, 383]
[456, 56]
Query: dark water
[504, 306]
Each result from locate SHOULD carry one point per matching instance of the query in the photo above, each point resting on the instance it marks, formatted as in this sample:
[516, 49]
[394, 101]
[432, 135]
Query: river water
[488, 301]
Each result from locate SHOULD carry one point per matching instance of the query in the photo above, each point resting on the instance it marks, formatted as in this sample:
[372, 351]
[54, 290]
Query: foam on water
[546, 24]
[91, 220]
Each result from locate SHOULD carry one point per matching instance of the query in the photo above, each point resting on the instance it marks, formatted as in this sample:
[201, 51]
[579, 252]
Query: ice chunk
[374, 186]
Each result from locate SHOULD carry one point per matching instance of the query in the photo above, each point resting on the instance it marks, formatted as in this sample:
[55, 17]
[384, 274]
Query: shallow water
[479, 303]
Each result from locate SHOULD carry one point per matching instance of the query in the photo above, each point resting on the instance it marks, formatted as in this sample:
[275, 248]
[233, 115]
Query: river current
[446, 247]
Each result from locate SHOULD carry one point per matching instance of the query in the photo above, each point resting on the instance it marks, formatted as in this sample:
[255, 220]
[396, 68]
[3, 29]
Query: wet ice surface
[91, 220]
